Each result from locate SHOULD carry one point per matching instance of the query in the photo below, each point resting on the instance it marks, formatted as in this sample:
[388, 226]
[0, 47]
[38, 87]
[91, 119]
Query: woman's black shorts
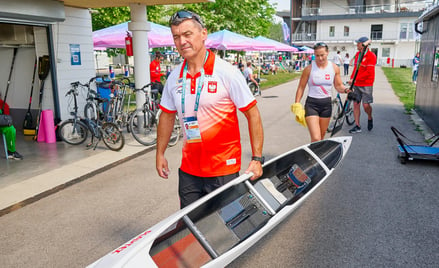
[319, 107]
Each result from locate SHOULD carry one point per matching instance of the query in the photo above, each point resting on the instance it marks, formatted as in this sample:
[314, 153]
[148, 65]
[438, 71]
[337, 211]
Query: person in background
[248, 74]
[337, 59]
[241, 66]
[363, 84]
[415, 67]
[206, 92]
[156, 72]
[346, 62]
[320, 77]
[10, 134]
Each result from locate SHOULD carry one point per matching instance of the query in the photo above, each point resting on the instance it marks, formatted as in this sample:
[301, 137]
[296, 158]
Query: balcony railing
[417, 6]
[304, 37]
[341, 37]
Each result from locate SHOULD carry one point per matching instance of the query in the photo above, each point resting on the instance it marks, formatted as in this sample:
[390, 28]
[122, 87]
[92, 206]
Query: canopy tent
[278, 45]
[114, 36]
[227, 40]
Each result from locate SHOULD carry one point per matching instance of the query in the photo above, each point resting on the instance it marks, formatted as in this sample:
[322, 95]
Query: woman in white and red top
[320, 76]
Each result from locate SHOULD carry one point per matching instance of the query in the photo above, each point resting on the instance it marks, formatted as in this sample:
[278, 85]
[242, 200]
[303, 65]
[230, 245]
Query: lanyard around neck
[199, 86]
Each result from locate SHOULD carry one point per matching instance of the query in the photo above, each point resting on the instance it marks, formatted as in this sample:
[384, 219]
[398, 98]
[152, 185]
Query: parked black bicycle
[75, 130]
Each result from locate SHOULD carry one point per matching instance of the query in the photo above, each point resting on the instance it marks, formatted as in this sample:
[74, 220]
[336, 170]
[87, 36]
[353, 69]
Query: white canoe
[216, 229]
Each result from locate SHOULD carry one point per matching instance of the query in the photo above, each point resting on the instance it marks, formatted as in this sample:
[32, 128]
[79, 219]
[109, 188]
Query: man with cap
[156, 72]
[363, 84]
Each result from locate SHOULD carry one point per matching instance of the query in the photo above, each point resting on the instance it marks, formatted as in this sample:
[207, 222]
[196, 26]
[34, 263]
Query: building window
[346, 31]
[385, 52]
[406, 31]
[331, 31]
[403, 31]
[376, 32]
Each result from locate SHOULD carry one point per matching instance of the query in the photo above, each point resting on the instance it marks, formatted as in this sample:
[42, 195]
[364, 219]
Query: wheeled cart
[416, 152]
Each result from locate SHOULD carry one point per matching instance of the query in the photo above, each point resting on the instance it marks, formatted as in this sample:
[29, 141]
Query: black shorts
[192, 188]
[319, 107]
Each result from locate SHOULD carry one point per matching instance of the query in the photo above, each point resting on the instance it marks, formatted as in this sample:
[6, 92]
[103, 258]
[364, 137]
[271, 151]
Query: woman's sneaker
[15, 155]
[355, 129]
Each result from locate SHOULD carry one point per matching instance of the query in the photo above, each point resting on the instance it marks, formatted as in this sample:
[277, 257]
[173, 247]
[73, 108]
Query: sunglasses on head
[183, 15]
[320, 44]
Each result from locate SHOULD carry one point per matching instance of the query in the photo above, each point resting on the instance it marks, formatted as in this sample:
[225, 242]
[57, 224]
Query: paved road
[372, 212]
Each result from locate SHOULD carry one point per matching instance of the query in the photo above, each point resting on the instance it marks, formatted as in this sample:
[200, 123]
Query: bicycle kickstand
[96, 145]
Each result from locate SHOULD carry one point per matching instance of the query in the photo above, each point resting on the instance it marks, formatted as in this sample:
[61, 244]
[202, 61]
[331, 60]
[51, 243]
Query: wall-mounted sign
[75, 54]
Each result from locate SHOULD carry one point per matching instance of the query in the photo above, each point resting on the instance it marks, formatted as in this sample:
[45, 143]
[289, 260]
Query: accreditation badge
[192, 129]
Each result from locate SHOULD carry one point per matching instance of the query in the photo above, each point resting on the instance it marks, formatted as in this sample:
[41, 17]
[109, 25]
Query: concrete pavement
[35, 185]
[371, 212]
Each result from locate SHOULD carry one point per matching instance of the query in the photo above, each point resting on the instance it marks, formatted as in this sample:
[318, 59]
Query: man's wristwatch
[260, 159]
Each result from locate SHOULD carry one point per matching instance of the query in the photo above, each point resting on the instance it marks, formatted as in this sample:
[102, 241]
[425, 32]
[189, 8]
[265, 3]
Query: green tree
[276, 32]
[106, 17]
[247, 17]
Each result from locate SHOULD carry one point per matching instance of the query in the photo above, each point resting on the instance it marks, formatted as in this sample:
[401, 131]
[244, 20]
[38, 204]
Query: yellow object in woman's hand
[299, 111]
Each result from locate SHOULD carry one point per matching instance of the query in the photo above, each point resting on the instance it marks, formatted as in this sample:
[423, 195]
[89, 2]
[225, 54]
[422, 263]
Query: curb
[71, 182]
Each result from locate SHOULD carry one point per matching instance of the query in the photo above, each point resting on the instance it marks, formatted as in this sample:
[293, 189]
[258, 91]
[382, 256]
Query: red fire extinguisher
[129, 44]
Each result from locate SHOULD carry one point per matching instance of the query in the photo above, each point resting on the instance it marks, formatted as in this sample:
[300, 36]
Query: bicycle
[144, 121]
[93, 108]
[337, 109]
[75, 130]
[119, 107]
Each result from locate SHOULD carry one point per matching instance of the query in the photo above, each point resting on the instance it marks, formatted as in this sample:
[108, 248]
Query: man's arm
[6, 109]
[164, 130]
[256, 139]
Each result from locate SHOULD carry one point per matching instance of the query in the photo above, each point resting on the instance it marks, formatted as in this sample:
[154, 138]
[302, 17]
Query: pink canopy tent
[227, 40]
[114, 36]
[278, 45]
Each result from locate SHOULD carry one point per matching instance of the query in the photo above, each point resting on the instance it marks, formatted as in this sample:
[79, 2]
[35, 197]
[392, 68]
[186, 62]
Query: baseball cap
[362, 39]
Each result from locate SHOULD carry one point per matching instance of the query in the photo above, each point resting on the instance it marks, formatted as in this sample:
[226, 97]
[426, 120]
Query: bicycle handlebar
[143, 88]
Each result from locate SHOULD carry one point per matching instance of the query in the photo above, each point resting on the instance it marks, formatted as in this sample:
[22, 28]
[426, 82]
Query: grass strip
[401, 81]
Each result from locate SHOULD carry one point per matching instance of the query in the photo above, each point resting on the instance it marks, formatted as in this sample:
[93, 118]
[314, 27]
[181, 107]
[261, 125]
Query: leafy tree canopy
[247, 17]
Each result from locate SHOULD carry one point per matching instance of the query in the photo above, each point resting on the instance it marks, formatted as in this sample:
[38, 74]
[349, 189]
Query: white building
[388, 23]
[38, 28]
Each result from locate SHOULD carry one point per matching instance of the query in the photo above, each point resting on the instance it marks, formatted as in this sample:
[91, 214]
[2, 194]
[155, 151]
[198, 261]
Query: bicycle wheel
[90, 111]
[336, 111]
[112, 136]
[73, 132]
[176, 132]
[350, 114]
[143, 126]
[254, 89]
